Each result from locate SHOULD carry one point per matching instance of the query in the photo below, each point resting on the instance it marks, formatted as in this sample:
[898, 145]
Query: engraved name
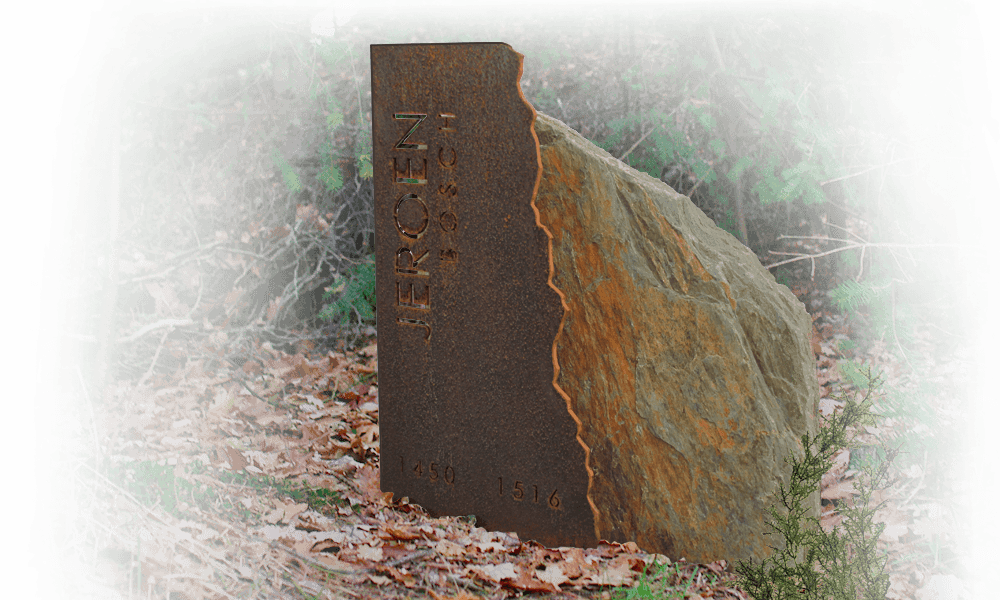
[412, 215]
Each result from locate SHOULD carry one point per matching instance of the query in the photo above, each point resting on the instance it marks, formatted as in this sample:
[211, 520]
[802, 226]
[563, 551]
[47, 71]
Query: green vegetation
[156, 485]
[354, 295]
[808, 562]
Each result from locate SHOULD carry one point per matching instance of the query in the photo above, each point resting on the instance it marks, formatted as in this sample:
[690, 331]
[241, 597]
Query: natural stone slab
[688, 365]
[470, 420]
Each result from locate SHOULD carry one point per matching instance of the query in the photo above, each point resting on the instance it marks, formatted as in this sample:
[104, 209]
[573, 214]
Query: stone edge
[562, 300]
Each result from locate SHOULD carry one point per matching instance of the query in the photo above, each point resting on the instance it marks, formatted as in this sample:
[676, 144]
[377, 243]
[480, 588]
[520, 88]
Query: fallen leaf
[839, 491]
[551, 574]
[495, 573]
[401, 533]
[616, 574]
[293, 509]
[369, 553]
[237, 462]
[900, 587]
[525, 581]
[446, 548]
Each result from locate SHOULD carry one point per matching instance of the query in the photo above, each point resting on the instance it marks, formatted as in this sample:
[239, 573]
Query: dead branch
[153, 327]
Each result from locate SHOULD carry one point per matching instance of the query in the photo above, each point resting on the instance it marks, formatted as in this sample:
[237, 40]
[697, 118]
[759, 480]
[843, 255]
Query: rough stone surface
[688, 366]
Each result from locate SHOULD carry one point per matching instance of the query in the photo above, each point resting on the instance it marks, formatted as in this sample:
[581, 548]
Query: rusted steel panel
[471, 421]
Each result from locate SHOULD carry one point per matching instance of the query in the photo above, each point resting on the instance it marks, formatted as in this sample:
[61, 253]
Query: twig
[694, 187]
[799, 99]
[862, 172]
[562, 108]
[651, 130]
[212, 246]
[920, 484]
[851, 246]
[278, 546]
[896, 337]
[93, 418]
[644, 136]
[156, 357]
[154, 326]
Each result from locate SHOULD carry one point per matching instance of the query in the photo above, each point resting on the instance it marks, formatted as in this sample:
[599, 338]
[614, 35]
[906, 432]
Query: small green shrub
[355, 295]
[813, 564]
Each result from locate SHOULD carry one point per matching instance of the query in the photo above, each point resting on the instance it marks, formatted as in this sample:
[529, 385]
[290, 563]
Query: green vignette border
[110, 22]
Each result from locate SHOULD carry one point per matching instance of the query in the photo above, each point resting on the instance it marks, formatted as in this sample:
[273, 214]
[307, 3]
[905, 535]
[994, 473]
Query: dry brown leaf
[401, 533]
[237, 462]
[839, 491]
[291, 510]
[551, 574]
[447, 548]
[274, 516]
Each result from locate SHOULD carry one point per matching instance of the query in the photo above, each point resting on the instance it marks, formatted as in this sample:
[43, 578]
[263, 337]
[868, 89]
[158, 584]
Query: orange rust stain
[711, 435]
[729, 294]
[588, 263]
[567, 176]
[599, 346]
[555, 342]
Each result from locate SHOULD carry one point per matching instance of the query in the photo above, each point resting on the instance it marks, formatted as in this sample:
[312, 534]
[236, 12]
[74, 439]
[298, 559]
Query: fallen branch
[849, 246]
[156, 357]
[862, 172]
[154, 326]
[138, 334]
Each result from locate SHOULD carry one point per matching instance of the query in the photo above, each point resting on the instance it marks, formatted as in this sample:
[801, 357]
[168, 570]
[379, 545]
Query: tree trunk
[741, 219]
[626, 35]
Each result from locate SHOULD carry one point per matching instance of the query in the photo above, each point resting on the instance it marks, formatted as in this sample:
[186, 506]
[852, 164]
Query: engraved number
[518, 491]
[433, 470]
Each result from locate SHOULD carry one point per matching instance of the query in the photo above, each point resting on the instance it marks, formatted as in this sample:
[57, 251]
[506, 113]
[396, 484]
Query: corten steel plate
[471, 422]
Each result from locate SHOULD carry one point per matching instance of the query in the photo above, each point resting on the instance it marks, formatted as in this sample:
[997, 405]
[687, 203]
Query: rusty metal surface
[470, 421]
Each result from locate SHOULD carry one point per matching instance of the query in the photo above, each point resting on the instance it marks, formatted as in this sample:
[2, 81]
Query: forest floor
[261, 480]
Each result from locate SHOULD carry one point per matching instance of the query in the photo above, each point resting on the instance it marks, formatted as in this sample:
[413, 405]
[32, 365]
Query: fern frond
[850, 295]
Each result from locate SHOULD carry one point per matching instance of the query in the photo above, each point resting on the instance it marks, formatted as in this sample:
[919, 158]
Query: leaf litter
[226, 481]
